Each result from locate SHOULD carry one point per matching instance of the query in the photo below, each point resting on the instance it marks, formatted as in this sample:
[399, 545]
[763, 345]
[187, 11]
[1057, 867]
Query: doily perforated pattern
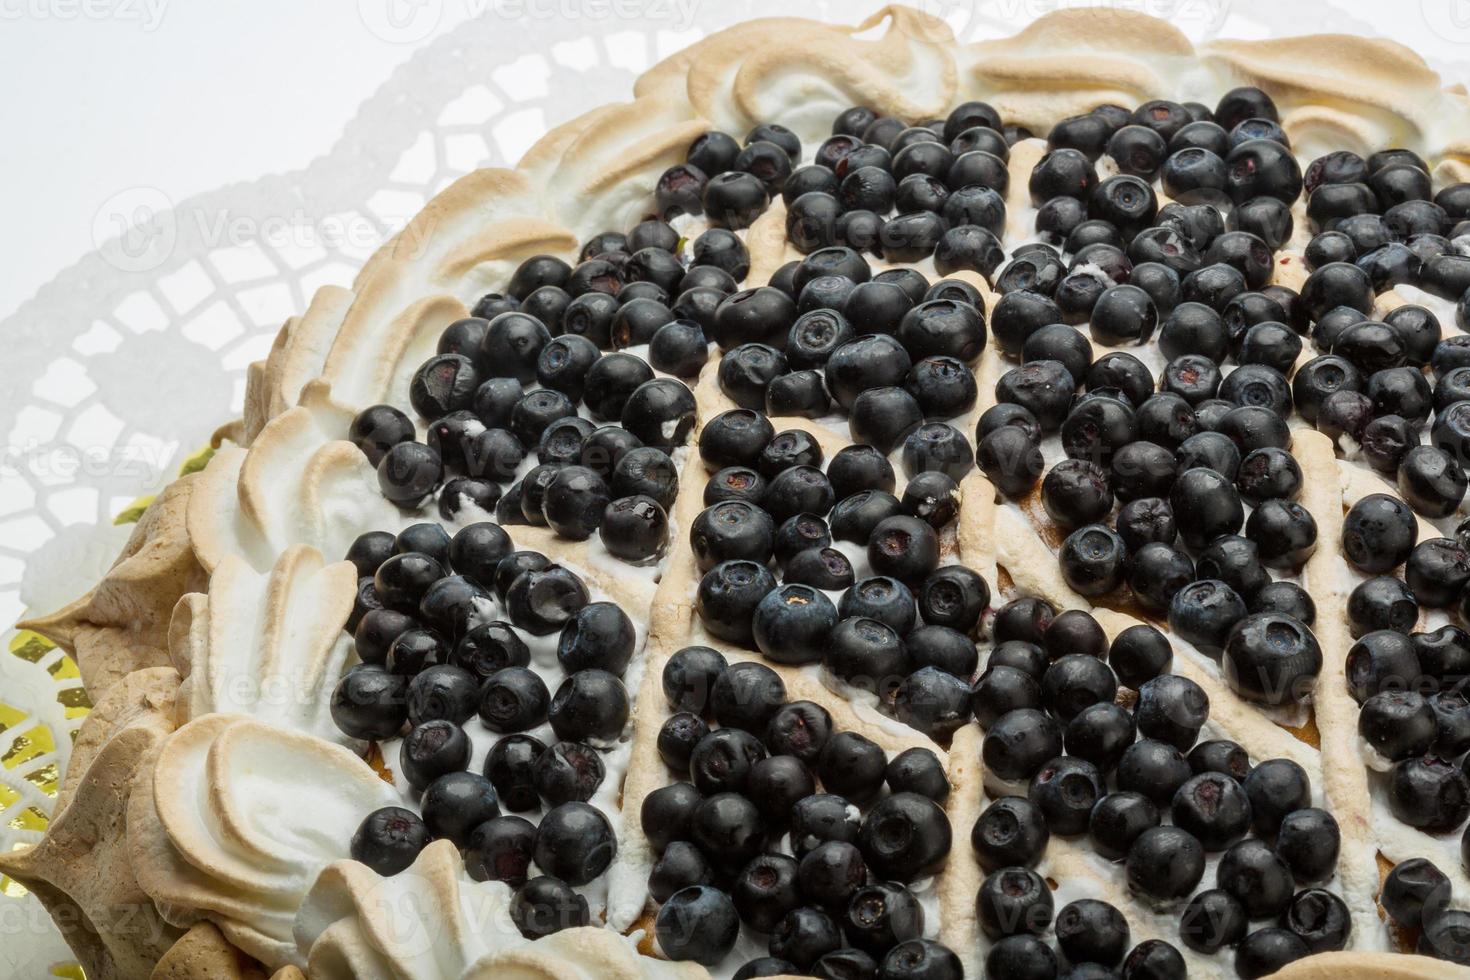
[121, 368]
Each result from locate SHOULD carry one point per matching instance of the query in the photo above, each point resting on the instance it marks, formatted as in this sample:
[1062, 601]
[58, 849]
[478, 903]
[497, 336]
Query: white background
[187, 95]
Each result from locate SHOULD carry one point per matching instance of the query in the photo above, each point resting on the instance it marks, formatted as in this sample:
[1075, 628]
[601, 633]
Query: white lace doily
[120, 368]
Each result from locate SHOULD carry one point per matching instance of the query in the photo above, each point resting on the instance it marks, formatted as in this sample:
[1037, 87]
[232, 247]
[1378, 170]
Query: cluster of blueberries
[1179, 491]
[746, 836]
[434, 655]
[1082, 764]
[1414, 714]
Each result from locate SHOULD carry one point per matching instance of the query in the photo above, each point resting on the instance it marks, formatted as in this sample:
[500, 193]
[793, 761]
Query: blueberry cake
[872, 507]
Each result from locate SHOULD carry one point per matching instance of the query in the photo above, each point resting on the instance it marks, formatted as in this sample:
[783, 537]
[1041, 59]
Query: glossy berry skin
[575, 842]
[390, 840]
[933, 701]
[1065, 790]
[953, 596]
[1139, 654]
[1013, 901]
[567, 772]
[1020, 742]
[1206, 505]
[370, 703]
[804, 935]
[1116, 822]
[590, 705]
[1212, 920]
[1383, 602]
[1412, 889]
[1214, 808]
[512, 768]
[747, 696]
[1205, 612]
[727, 599]
[791, 624]
[1429, 794]
[600, 636]
[852, 766]
[1165, 864]
[1431, 481]
[1276, 787]
[905, 836]
[1172, 709]
[697, 923]
[1308, 842]
[1154, 959]
[443, 691]
[457, 803]
[1319, 919]
[433, 749]
[1091, 931]
[830, 873]
[881, 915]
[546, 905]
[917, 770]
[904, 548]
[513, 699]
[1093, 560]
[680, 866]
[1011, 831]
[1153, 768]
[501, 849]
[920, 959]
[1100, 734]
[765, 890]
[1271, 659]
[1252, 873]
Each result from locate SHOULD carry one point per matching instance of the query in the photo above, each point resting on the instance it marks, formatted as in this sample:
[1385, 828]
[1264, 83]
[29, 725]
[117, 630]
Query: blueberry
[433, 749]
[513, 699]
[1413, 889]
[765, 890]
[1092, 931]
[881, 915]
[680, 866]
[568, 772]
[804, 935]
[1013, 901]
[511, 768]
[917, 770]
[443, 691]
[501, 849]
[1011, 831]
[697, 923]
[1276, 787]
[1212, 920]
[1429, 794]
[791, 624]
[799, 729]
[1271, 659]
[1020, 742]
[852, 766]
[389, 840]
[545, 905]
[1165, 864]
[575, 843]
[1065, 790]
[1116, 822]
[370, 703]
[456, 803]
[590, 705]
